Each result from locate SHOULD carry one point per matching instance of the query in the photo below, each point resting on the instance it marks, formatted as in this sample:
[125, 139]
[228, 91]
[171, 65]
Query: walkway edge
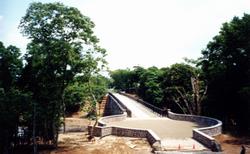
[204, 134]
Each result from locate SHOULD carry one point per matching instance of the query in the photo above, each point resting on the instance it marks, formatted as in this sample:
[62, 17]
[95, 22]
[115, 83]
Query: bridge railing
[129, 114]
[161, 112]
[204, 135]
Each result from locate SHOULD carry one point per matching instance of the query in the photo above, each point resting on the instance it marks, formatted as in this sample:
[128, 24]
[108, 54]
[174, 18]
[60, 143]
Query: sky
[139, 32]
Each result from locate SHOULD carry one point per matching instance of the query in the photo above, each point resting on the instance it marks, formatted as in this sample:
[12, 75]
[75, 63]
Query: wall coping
[203, 134]
[112, 128]
[216, 121]
[121, 105]
[152, 108]
[101, 121]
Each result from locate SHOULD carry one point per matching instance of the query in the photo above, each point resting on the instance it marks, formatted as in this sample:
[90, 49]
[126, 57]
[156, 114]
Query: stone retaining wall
[113, 106]
[124, 107]
[204, 135]
[126, 132]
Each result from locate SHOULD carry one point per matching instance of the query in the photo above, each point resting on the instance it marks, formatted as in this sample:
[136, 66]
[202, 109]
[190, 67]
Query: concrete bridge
[165, 131]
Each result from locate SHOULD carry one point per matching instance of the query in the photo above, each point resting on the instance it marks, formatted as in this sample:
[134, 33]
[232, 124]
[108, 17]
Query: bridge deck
[174, 134]
[163, 127]
[137, 109]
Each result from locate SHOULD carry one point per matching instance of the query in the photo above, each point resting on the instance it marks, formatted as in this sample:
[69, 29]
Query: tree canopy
[169, 87]
[226, 67]
[62, 60]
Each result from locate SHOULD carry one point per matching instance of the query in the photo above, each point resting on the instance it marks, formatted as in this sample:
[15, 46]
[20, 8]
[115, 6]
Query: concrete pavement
[137, 109]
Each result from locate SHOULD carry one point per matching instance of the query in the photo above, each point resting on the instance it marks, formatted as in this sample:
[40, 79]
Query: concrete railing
[102, 121]
[121, 105]
[212, 127]
[154, 109]
[117, 105]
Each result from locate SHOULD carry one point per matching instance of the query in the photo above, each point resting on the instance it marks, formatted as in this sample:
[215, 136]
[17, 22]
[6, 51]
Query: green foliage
[62, 46]
[226, 67]
[179, 75]
[14, 103]
[181, 93]
[61, 66]
[10, 66]
[78, 92]
[149, 85]
[121, 79]
[166, 87]
[74, 95]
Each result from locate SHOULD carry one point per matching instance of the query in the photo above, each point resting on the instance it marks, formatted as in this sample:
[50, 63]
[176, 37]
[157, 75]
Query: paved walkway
[137, 109]
[163, 127]
[174, 134]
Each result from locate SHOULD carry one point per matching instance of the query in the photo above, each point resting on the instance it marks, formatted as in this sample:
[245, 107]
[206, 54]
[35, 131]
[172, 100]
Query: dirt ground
[77, 143]
[232, 145]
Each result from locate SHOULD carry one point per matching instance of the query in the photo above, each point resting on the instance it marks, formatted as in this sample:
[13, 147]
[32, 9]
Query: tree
[226, 67]
[143, 82]
[183, 89]
[14, 103]
[77, 93]
[121, 79]
[10, 66]
[62, 45]
[149, 86]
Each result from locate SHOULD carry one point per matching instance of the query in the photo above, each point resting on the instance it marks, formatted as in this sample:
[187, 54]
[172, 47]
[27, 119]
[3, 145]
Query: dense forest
[217, 84]
[58, 73]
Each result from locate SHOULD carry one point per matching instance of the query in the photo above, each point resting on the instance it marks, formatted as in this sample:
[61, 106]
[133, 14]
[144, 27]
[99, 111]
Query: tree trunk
[64, 110]
[34, 129]
[96, 112]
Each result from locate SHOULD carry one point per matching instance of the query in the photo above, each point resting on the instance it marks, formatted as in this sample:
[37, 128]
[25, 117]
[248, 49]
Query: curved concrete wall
[212, 127]
[102, 121]
[117, 110]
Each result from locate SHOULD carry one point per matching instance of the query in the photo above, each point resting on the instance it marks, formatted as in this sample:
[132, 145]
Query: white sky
[140, 32]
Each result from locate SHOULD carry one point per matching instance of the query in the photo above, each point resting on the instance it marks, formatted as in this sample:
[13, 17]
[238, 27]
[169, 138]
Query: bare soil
[77, 143]
[232, 145]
